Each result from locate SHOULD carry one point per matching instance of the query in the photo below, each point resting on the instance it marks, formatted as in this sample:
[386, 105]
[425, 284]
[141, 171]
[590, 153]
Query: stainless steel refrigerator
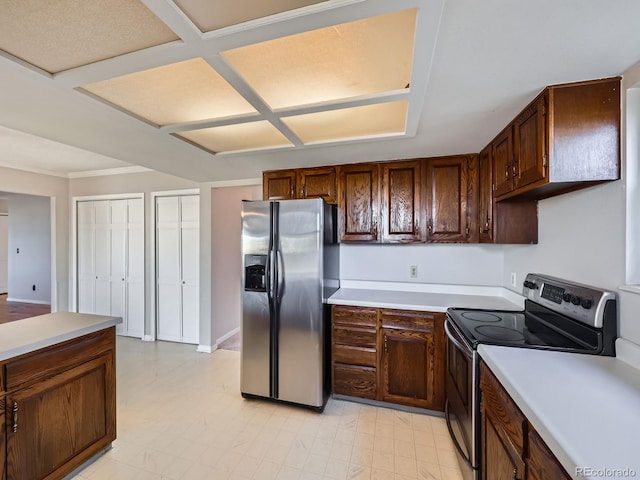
[290, 267]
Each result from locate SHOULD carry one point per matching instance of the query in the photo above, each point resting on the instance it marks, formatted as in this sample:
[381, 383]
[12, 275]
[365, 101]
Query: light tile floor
[181, 416]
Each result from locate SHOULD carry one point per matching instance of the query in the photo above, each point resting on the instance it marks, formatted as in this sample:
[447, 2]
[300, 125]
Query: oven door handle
[453, 437]
[465, 349]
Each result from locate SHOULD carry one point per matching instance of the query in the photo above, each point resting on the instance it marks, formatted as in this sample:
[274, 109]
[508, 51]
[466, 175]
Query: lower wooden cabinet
[389, 355]
[503, 427]
[61, 409]
[511, 448]
[541, 463]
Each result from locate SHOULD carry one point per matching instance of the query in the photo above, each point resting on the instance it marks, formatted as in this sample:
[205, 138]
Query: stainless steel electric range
[558, 315]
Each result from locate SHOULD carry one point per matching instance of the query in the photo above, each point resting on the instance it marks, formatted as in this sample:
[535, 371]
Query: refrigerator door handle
[280, 275]
[270, 280]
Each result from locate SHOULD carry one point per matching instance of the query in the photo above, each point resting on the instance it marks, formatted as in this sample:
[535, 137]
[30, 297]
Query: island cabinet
[511, 448]
[59, 407]
[567, 138]
[395, 356]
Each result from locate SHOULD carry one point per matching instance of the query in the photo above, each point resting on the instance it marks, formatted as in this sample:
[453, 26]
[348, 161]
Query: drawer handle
[14, 427]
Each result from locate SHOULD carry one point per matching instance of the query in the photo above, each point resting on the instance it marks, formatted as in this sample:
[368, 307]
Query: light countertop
[30, 334]
[424, 297]
[585, 407]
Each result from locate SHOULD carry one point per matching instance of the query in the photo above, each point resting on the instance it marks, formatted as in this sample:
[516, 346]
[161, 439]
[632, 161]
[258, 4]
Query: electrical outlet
[413, 271]
[514, 280]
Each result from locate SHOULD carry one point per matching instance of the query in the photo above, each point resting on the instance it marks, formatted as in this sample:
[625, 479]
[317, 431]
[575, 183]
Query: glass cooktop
[512, 329]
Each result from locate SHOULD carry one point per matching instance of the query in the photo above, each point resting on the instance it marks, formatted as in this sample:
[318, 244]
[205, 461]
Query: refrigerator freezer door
[255, 372]
[301, 326]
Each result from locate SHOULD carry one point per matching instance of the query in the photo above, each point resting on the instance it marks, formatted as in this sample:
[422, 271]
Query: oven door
[462, 407]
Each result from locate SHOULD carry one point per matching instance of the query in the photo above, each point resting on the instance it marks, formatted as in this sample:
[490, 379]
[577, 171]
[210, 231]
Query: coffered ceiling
[223, 90]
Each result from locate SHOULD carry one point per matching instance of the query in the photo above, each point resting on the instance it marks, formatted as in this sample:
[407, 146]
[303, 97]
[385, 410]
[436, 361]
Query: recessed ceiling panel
[358, 122]
[63, 34]
[364, 57]
[209, 15]
[181, 92]
[244, 136]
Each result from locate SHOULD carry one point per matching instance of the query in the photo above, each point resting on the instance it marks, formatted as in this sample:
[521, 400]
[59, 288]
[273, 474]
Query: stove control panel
[580, 302]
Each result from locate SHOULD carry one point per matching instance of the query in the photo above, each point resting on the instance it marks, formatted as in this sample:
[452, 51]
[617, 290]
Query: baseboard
[148, 338]
[227, 335]
[22, 300]
[207, 348]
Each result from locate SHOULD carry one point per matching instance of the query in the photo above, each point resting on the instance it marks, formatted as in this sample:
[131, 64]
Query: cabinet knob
[430, 225]
[14, 410]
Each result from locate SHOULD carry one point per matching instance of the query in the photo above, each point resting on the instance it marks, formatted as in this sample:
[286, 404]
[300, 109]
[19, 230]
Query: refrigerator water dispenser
[254, 273]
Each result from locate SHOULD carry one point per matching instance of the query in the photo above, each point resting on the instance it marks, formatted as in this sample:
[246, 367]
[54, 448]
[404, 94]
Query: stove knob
[527, 284]
[566, 297]
[575, 300]
[535, 286]
[586, 303]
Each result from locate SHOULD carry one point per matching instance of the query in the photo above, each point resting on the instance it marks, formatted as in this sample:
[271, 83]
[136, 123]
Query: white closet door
[103, 258]
[135, 268]
[118, 262]
[86, 257]
[169, 288]
[4, 253]
[190, 256]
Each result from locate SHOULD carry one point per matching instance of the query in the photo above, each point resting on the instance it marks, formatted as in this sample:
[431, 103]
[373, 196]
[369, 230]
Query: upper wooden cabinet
[317, 183]
[485, 195]
[279, 185]
[359, 202]
[565, 139]
[401, 202]
[448, 184]
[300, 183]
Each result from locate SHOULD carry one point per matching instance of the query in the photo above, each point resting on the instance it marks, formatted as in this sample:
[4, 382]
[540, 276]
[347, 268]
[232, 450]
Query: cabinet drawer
[347, 315]
[42, 364]
[354, 336]
[354, 355]
[355, 381]
[505, 414]
[409, 320]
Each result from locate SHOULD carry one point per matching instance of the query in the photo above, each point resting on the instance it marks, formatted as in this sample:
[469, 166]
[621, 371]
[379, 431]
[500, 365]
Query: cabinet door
[485, 195]
[503, 162]
[359, 199]
[3, 443]
[63, 420]
[446, 186]
[407, 367]
[103, 258]
[86, 257]
[401, 207]
[189, 254]
[118, 251]
[500, 461]
[530, 144]
[541, 462]
[279, 185]
[317, 183]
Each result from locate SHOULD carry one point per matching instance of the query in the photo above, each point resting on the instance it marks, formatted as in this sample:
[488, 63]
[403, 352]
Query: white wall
[226, 261]
[18, 181]
[29, 249]
[444, 264]
[4, 252]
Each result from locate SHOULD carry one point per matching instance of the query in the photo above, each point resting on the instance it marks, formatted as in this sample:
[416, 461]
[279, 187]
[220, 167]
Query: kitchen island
[57, 393]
